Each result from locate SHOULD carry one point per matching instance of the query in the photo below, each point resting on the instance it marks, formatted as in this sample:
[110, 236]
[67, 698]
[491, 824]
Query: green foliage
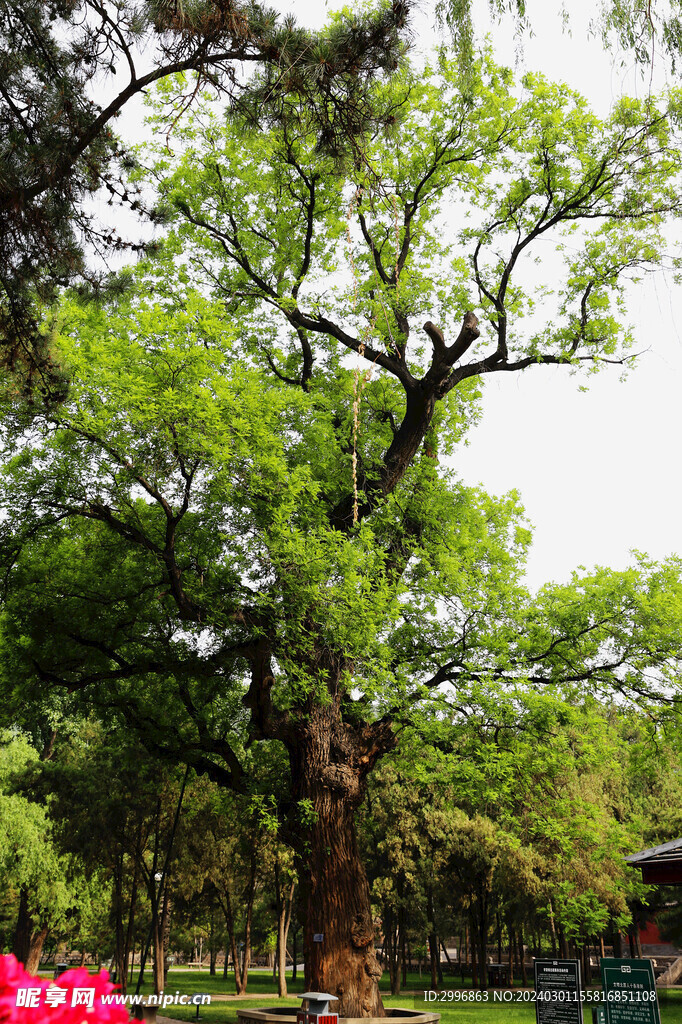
[61, 896]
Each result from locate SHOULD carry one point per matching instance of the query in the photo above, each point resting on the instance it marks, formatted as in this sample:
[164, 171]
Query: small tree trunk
[129, 947]
[387, 924]
[119, 933]
[552, 925]
[434, 953]
[225, 901]
[482, 952]
[617, 944]
[522, 960]
[165, 932]
[474, 953]
[563, 944]
[157, 943]
[253, 865]
[283, 922]
[510, 932]
[212, 944]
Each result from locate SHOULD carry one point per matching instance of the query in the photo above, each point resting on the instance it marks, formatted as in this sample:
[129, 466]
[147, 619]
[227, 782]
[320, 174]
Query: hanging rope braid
[360, 381]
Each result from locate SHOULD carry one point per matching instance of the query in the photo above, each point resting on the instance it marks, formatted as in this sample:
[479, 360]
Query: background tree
[47, 891]
[116, 811]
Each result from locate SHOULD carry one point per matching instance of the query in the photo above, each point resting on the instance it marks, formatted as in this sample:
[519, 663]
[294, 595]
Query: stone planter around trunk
[287, 1015]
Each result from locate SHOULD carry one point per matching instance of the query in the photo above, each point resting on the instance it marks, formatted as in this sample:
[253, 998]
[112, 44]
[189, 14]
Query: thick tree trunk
[338, 929]
[36, 949]
[329, 764]
[336, 895]
[28, 942]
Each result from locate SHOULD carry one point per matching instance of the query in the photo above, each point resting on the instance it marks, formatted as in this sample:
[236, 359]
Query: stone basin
[287, 1015]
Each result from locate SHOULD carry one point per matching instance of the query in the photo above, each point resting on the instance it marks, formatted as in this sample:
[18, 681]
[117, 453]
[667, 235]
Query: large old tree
[240, 528]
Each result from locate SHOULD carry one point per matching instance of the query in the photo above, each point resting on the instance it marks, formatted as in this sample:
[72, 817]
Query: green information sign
[629, 995]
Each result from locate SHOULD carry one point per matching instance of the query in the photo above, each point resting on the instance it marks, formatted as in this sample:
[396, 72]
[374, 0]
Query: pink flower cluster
[24, 1000]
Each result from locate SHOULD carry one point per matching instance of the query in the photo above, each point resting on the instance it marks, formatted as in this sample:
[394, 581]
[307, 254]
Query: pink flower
[13, 982]
[75, 997]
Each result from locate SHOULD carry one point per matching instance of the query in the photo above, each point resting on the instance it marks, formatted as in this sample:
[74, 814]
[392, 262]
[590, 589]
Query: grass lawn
[463, 1013]
[490, 1012]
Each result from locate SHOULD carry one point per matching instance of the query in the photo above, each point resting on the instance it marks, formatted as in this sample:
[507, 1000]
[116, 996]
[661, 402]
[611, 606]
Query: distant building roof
[660, 865]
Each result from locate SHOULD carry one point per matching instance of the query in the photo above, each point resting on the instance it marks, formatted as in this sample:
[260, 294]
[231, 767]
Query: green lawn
[491, 1011]
[262, 981]
[463, 1013]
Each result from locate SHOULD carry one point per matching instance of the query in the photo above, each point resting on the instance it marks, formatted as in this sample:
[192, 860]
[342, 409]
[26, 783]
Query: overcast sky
[597, 471]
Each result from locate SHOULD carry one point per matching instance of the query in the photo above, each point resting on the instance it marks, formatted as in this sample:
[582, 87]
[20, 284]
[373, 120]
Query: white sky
[597, 471]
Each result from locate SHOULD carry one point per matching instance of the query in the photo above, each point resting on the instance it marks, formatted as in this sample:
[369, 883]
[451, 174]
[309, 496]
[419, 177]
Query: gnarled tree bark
[330, 761]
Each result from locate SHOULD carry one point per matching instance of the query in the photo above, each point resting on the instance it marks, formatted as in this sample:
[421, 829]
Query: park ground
[224, 1011]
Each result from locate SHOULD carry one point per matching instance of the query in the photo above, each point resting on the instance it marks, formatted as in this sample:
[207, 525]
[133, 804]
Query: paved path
[265, 997]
